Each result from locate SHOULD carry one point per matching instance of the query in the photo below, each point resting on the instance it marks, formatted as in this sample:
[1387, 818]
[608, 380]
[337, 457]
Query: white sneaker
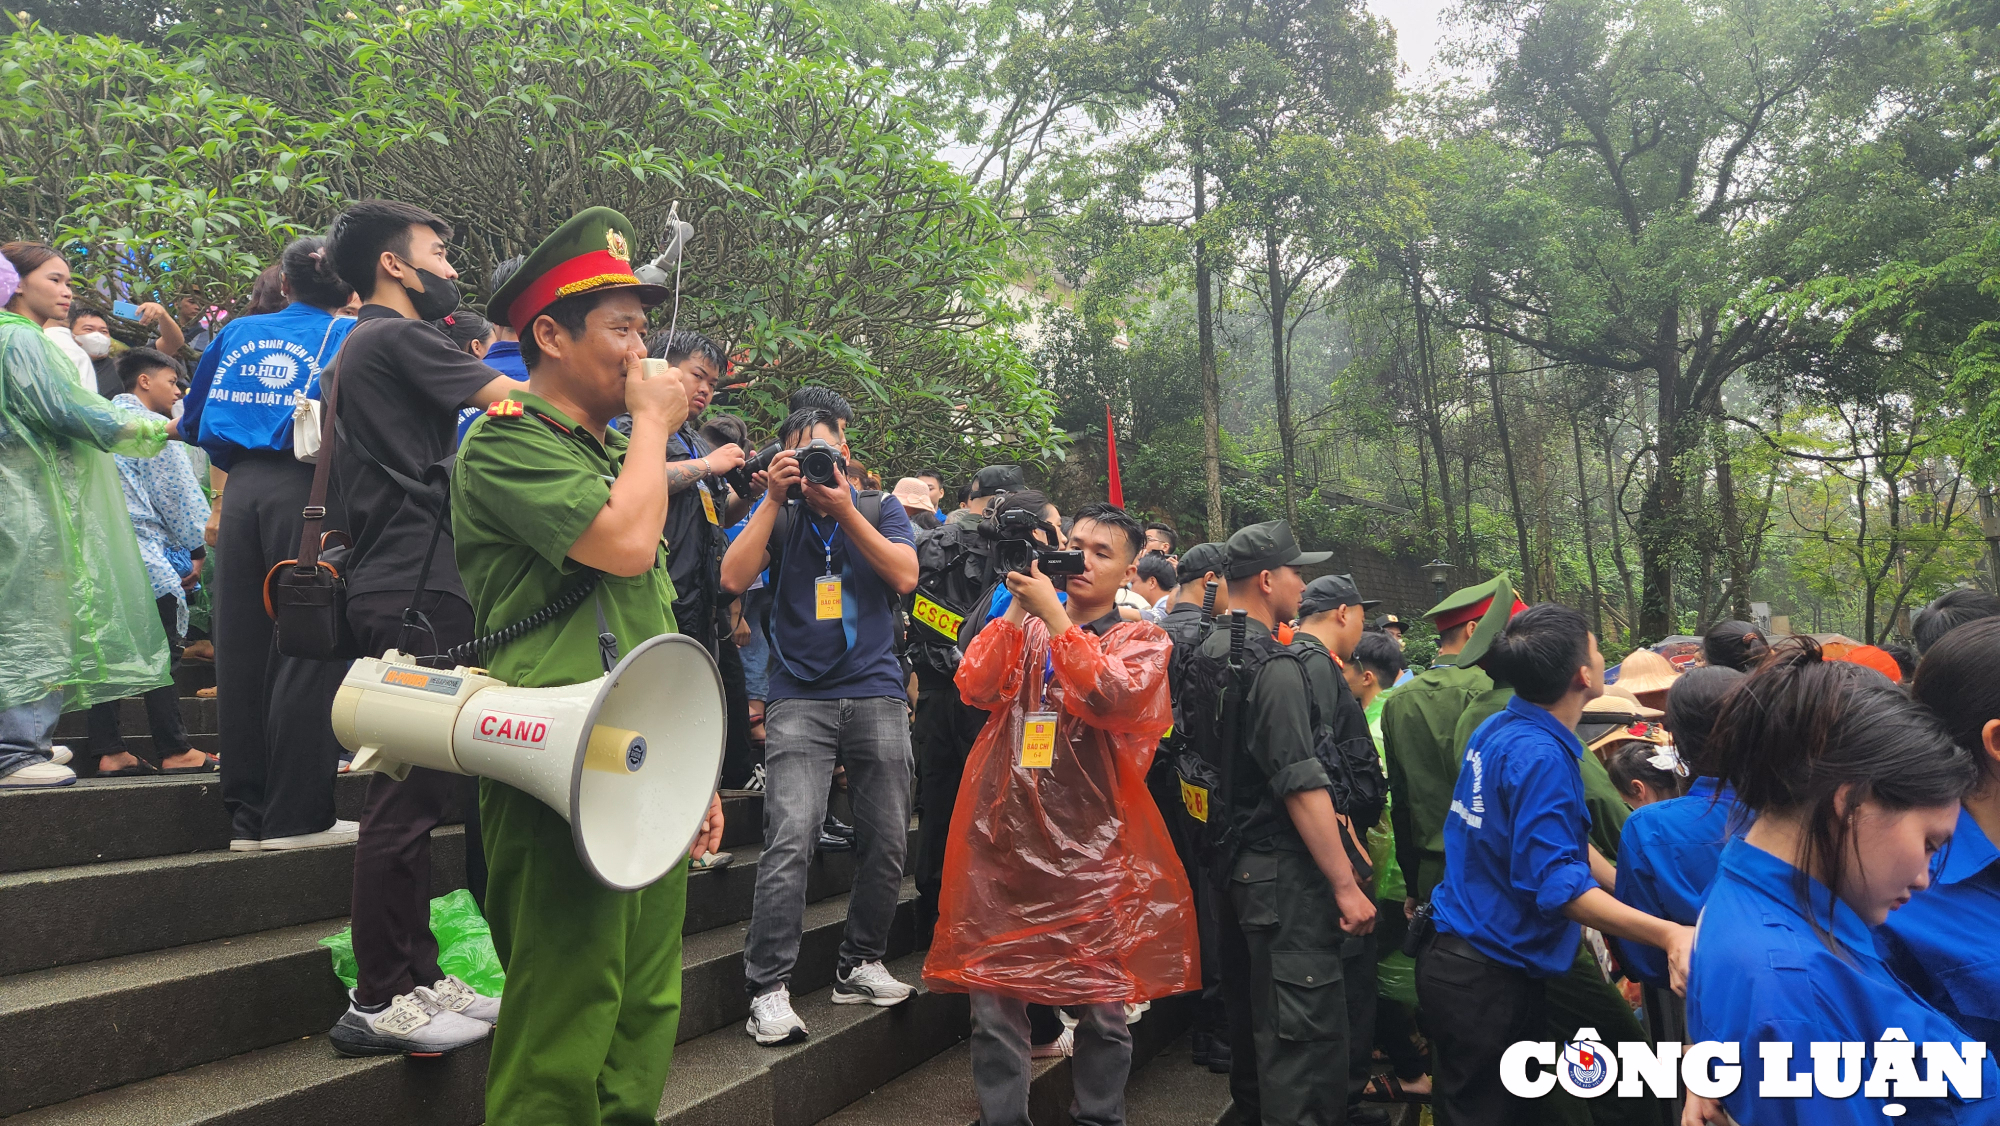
[1136, 1009]
[60, 755]
[414, 1024]
[38, 774]
[464, 1000]
[772, 1020]
[869, 984]
[342, 832]
[756, 783]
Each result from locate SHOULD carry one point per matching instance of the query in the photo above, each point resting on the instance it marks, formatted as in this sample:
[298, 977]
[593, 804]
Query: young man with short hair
[397, 387]
[1294, 903]
[168, 511]
[934, 482]
[836, 691]
[1031, 913]
[701, 503]
[1376, 664]
[547, 496]
[1155, 582]
[1332, 617]
[1159, 540]
[1521, 878]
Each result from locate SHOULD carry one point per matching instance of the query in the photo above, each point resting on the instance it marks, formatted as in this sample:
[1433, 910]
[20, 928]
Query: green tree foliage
[831, 245]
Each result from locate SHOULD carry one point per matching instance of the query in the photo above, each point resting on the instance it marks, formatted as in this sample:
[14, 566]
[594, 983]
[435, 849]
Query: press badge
[1038, 741]
[826, 598]
[708, 504]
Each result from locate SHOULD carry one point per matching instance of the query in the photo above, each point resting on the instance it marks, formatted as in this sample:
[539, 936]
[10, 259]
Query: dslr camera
[1015, 547]
[819, 462]
[739, 477]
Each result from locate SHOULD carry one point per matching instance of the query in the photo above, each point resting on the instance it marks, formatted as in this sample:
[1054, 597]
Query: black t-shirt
[399, 386]
[694, 543]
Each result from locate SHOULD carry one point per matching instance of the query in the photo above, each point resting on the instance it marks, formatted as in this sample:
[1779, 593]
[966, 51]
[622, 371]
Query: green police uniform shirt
[523, 490]
[1608, 811]
[1418, 724]
[1278, 758]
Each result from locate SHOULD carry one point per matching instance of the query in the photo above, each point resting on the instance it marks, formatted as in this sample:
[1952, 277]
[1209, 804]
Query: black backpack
[1360, 791]
[1210, 703]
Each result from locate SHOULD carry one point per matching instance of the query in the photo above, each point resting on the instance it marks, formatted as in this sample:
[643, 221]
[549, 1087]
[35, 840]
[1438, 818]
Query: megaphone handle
[607, 642]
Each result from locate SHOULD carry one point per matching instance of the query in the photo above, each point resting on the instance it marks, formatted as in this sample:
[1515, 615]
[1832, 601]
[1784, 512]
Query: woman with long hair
[1855, 787]
[1941, 945]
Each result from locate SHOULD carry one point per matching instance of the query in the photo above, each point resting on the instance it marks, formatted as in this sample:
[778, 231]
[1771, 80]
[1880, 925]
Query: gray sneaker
[414, 1024]
[462, 999]
[869, 984]
[772, 1020]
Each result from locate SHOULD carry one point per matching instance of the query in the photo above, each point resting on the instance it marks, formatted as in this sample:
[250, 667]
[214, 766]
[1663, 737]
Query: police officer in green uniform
[1582, 998]
[1419, 722]
[1295, 899]
[545, 497]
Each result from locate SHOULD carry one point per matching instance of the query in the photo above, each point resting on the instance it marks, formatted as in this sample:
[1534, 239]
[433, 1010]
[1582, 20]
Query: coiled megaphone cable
[468, 653]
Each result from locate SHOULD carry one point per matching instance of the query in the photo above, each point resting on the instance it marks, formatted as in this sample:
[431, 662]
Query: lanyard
[825, 542]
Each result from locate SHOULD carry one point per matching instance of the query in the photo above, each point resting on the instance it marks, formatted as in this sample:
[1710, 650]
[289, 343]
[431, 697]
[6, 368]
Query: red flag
[1111, 457]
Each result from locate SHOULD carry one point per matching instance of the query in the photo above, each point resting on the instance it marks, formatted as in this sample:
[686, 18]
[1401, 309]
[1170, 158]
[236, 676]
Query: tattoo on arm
[681, 475]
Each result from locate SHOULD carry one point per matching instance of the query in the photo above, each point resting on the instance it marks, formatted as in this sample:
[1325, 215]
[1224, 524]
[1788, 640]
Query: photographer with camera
[1061, 884]
[955, 577]
[839, 565]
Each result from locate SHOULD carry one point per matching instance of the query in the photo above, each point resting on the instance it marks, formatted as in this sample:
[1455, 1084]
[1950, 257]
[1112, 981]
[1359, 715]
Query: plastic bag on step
[465, 946]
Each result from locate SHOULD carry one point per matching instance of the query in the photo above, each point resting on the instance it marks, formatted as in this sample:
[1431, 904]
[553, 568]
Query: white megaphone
[630, 759]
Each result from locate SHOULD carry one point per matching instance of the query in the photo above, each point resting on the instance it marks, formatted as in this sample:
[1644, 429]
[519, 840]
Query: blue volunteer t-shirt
[241, 395]
[850, 659]
[505, 358]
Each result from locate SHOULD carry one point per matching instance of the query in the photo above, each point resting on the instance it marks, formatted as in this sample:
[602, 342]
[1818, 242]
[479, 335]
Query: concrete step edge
[303, 1082]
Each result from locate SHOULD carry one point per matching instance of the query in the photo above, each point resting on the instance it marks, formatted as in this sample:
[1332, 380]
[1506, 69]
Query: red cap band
[580, 274]
[1453, 618]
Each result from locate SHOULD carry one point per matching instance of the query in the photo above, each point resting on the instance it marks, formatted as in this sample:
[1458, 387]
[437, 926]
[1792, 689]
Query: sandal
[140, 769]
[1386, 1088]
[209, 765]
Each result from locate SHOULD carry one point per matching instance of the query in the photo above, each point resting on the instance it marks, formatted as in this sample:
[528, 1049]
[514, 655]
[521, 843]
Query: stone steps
[294, 1077]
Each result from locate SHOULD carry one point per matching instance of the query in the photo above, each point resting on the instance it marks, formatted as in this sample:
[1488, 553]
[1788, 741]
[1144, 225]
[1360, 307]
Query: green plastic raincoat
[79, 616]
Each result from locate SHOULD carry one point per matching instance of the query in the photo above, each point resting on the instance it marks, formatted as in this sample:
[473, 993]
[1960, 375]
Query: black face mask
[439, 298]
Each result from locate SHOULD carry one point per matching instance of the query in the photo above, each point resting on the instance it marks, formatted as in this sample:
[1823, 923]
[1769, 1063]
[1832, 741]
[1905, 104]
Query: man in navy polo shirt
[840, 564]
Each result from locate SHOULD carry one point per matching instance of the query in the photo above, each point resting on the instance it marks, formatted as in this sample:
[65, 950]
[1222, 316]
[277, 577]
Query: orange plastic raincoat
[1060, 883]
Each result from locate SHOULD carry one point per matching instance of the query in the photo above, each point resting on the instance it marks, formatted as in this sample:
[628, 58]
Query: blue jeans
[756, 654]
[872, 737]
[25, 730]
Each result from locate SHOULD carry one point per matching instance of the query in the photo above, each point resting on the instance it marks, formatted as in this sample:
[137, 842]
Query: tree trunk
[1507, 461]
[1732, 528]
[1434, 420]
[1211, 382]
[1280, 378]
[1589, 550]
[1614, 510]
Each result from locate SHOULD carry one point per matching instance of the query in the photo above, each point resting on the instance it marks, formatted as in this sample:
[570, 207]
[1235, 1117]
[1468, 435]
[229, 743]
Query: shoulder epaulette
[505, 408]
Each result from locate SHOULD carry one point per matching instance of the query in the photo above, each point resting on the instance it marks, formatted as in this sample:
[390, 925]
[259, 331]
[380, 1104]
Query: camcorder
[1015, 548]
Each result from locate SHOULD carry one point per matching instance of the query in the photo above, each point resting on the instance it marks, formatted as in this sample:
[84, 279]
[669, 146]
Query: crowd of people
[1138, 770]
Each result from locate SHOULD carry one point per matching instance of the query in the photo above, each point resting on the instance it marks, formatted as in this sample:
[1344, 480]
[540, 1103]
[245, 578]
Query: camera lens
[817, 464]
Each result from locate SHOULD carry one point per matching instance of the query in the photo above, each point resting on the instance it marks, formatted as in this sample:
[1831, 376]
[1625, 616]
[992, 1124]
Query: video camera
[1015, 548]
